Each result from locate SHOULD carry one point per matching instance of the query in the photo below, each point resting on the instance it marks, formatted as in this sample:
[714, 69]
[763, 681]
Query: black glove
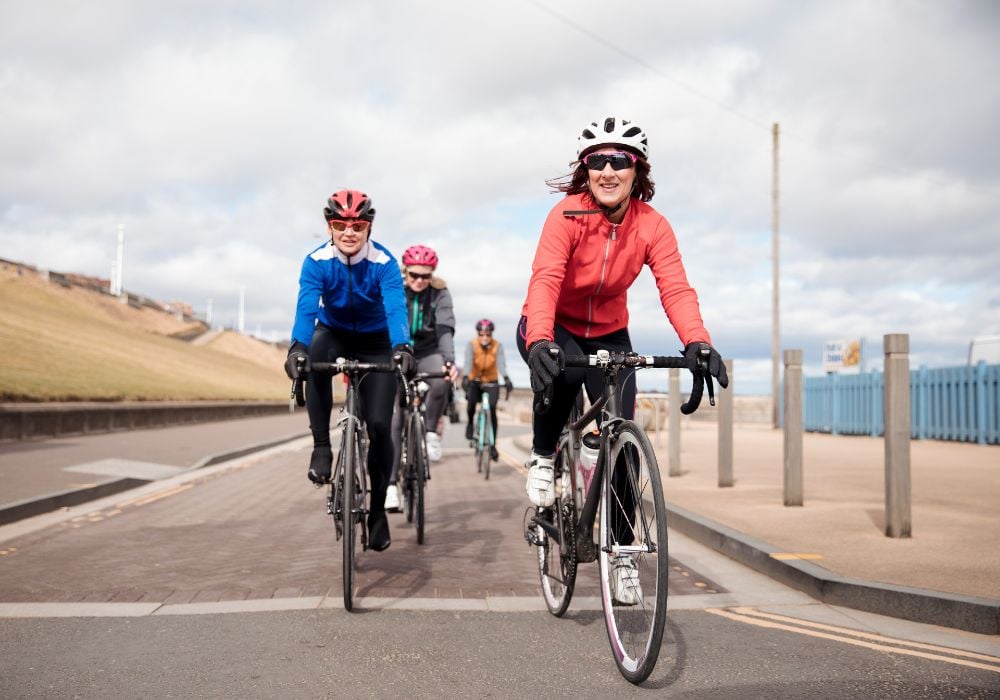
[508, 386]
[402, 355]
[465, 384]
[297, 363]
[715, 366]
[545, 362]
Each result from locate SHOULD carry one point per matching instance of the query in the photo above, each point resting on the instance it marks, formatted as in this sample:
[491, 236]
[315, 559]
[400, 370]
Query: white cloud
[215, 131]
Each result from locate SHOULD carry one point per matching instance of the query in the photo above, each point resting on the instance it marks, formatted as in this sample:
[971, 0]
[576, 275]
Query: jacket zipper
[604, 266]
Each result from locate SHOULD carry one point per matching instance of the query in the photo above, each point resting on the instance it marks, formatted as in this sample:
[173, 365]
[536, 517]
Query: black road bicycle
[347, 498]
[414, 467]
[625, 492]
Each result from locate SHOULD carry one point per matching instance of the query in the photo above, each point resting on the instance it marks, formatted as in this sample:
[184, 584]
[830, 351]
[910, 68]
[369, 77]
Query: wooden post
[674, 423]
[897, 435]
[724, 402]
[793, 428]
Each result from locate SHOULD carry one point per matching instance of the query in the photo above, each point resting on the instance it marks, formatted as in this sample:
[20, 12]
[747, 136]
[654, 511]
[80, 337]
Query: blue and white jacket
[363, 293]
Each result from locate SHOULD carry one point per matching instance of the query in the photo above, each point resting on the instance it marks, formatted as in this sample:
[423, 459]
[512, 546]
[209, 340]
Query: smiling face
[350, 240]
[610, 186]
[418, 277]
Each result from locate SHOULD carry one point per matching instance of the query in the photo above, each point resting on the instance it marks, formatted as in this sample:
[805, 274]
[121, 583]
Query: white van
[986, 348]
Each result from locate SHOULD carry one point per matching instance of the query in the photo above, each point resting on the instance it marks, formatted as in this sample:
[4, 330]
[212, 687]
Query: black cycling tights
[548, 426]
[376, 392]
[565, 388]
[472, 400]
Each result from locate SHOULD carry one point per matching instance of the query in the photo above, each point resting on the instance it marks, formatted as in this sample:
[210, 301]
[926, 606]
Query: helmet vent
[609, 125]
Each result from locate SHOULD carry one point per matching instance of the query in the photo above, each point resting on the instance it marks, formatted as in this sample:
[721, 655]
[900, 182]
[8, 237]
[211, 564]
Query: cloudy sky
[214, 131]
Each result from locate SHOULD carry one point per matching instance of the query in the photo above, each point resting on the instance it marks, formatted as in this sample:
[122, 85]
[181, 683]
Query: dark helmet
[484, 324]
[349, 204]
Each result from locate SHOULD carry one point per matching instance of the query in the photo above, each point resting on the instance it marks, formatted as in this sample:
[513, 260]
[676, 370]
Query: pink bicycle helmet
[484, 324]
[349, 204]
[420, 255]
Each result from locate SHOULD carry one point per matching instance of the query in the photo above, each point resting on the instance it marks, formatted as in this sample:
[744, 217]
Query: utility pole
[119, 287]
[240, 318]
[775, 297]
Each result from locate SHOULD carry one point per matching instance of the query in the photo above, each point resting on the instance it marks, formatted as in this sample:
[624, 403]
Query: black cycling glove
[509, 387]
[545, 362]
[297, 363]
[402, 355]
[716, 367]
[465, 384]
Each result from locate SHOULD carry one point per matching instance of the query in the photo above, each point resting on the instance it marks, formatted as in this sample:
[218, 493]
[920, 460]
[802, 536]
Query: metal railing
[948, 403]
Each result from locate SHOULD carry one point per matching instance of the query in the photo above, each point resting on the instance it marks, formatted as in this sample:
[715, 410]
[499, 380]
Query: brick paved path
[260, 530]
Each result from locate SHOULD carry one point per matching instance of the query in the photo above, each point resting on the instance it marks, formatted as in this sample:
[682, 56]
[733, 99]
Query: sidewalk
[837, 537]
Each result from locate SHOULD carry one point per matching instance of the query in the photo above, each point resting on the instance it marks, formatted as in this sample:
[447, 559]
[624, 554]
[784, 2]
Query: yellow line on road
[757, 621]
[864, 635]
[784, 556]
[155, 496]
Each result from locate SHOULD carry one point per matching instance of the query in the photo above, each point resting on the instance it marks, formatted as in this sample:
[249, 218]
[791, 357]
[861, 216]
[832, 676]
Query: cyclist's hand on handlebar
[713, 363]
[297, 363]
[545, 362]
[452, 371]
[509, 387]
[402, 355]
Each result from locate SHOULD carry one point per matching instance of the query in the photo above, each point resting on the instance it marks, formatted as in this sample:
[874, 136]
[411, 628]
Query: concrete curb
[47, 420]
[31, 507]
[979, 615]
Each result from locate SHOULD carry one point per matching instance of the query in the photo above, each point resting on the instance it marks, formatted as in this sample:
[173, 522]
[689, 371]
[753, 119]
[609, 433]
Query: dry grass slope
[71, 344]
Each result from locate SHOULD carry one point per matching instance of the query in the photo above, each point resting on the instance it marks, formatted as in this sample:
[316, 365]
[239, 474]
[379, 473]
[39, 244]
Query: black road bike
[625, 493]
[347, 497]
[414, 467]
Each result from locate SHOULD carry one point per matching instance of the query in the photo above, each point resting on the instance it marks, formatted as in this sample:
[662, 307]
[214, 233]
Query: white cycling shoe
[540, 488]
[433, 447]
[392, 499]
[625, 586]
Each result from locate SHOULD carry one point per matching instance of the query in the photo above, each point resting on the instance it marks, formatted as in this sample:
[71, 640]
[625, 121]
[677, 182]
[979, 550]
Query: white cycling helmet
[612, 132]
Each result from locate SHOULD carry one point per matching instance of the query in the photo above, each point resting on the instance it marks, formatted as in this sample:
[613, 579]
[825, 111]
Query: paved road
[247, 544]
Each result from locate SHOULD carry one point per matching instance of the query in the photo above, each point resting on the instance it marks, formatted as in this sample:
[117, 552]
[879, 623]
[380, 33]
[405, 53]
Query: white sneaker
[433, 447]
[539, 486]
[625, 587]
[392, 499]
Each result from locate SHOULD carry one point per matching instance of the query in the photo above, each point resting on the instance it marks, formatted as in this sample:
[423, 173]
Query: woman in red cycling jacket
[593, 245]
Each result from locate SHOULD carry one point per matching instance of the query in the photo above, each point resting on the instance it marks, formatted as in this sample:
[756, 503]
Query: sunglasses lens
[598, 161]
[356, 226]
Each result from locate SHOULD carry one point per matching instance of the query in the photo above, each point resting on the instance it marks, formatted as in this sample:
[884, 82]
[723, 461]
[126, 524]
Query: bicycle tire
[484, 453]
[635, 631]
[477, 441]
[557, 560]
[420, 472]
[409, 471]
[348, 501]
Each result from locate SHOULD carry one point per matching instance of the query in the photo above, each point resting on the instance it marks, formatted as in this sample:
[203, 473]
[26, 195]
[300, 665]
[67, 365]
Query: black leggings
[565, 389]
[547, 427]
[376, 392]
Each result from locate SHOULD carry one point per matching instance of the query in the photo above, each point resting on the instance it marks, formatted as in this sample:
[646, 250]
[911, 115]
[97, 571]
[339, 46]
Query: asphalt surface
[224, 581]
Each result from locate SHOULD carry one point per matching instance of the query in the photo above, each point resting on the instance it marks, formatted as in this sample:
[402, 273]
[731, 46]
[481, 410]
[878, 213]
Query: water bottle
[588, 457]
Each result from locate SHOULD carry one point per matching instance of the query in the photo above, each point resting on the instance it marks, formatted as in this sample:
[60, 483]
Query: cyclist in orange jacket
[485, 361]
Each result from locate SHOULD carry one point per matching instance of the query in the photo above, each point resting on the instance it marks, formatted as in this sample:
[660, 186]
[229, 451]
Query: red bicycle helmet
[420, 255]
[484, 324]
[349, 204]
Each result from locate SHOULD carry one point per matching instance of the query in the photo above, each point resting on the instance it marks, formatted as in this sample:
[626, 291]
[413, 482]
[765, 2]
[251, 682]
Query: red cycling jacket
[584, 266]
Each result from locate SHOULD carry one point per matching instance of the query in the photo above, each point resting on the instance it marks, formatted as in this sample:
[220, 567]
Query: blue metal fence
[947, 403]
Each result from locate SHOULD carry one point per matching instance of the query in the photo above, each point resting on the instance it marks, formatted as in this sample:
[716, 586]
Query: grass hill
[70, 343]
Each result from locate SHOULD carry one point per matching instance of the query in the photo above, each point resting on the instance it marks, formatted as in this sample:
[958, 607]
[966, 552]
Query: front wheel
[348, 513]
[419, 482]
[633, 553]
[557, 548]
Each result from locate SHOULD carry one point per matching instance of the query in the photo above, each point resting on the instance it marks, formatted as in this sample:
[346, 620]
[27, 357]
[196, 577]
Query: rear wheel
[557, 551]
[633, 554]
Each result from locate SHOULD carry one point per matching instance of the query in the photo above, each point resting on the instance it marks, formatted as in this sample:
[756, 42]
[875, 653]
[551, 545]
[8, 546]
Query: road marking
[785, 556]
[155, 497]
[856, 638]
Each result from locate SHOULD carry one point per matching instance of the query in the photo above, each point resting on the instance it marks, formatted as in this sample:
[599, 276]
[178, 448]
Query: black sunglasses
[418, 276]
[620, 160]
